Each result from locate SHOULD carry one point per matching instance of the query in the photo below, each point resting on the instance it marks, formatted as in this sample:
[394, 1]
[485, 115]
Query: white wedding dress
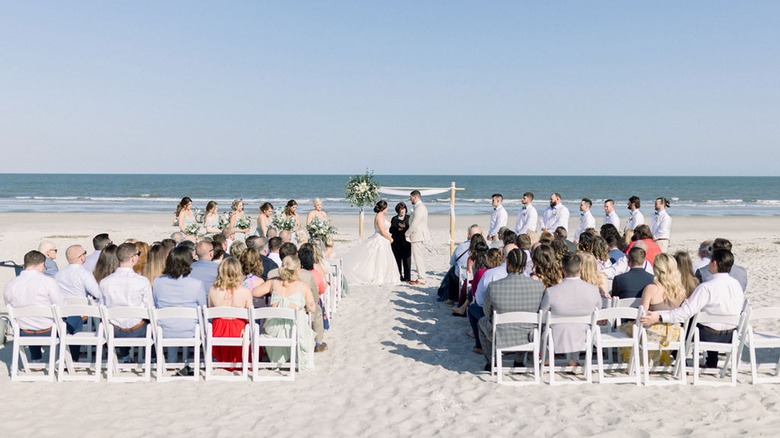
[371, 262]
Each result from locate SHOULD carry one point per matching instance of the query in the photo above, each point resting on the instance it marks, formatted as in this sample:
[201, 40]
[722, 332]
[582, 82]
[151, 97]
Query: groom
[417, 234]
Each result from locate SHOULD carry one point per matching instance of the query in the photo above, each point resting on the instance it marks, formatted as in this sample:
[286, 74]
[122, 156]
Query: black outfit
[402, 249]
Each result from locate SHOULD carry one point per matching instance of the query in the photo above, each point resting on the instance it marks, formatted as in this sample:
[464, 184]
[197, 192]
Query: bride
[372, 261]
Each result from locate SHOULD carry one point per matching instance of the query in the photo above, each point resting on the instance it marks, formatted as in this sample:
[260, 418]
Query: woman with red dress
[228, 291]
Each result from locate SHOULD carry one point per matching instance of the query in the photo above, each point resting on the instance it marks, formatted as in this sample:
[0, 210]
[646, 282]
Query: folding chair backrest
[190, 313]
[30, 311]
[126, 312]
[763, 313]
[273, 312]
[78, 310]
[560, 319]
[618, 313]
[626, 302]
[606, 303]
[517, 318]
[702, 318]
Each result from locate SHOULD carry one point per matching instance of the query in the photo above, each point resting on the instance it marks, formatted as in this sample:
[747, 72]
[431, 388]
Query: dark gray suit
[515, 293]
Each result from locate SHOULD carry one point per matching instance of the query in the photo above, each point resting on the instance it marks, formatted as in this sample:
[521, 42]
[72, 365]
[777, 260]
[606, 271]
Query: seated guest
[76, 282]
[737, 272]
[632, 283]
[33, 288]
[301, 236]
[590, 273]
[177, 237]
[687, 276]
[237, 248]
[546, 266]
[107, 263]
[561, 249]
[600, 251]
[286, 236]
[125, 288]
[272, 232]
[615, 253]
[642, 234]
[155, 263]
[176, 288]
[523, 242]
[721, 295]
[572, 297]
[260, 244]
[479, 261]
[561, 233]
[515, 293]
[227, 291]
[49, 250]
[290, 292]
[666, 292]
[475, 309]
[143, 249]
[705, 249]
[252, 268]
[274, 244]
[205, 269]
[98, 242]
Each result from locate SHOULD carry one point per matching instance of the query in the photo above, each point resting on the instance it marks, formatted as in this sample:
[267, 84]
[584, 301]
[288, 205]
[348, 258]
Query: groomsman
[610, 216]
[417, 234]
[527, 217]
[556, 215]
[586, 218]
[662, 224]
[635, 217]
[498, 218]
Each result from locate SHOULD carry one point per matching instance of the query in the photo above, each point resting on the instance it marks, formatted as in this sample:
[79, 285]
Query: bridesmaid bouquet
[282, 222]
[244, 222]
[192, 229]
[224, 221]
[319, 229]
[362, 190]
[198, 216]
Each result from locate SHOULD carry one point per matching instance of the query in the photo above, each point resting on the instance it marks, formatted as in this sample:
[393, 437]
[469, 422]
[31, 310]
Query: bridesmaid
[211, 218]
[184, 214]
[238, 212]
[317, 212]
[402, 249]
[264, 219]
[290, 211]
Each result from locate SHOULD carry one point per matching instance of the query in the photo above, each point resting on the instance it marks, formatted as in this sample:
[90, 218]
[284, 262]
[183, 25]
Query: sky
[400, 87]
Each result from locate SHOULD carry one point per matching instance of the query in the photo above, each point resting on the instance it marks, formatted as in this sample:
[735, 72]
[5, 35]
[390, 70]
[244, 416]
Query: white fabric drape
[397, 192]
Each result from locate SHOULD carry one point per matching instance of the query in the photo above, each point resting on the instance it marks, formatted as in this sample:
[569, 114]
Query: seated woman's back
[292, 295]
[238, 297]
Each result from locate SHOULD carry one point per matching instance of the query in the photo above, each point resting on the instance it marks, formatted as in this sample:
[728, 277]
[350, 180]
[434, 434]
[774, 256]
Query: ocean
[143, 193]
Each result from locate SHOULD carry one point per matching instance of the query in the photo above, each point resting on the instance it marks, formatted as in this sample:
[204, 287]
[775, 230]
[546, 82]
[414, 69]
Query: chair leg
[52, 360]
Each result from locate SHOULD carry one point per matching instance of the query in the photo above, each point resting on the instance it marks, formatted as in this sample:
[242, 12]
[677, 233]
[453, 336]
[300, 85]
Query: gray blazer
[515, 293]
[572, 297]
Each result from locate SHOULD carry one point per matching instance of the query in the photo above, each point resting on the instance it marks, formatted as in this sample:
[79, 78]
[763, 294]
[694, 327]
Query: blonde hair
[589, 270]
[667, 277]
[237, 249]
[229, 274]
[234, 205]
[289, 270]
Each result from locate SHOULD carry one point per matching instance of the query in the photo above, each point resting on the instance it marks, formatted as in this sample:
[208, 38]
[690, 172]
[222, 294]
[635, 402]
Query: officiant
[402, 249]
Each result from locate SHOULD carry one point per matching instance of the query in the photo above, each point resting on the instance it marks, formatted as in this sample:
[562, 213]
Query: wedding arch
[426, 191]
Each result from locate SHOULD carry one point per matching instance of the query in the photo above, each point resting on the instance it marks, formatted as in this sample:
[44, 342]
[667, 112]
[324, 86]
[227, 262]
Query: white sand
[398, 364]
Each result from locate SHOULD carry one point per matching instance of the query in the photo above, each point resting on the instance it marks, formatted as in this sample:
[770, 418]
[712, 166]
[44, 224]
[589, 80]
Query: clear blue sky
[440, 87]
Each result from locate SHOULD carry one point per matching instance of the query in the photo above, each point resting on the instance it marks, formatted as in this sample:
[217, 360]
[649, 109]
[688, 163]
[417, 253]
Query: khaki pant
[419, 262]
[534, 237]
[629, 234]
[663, 244]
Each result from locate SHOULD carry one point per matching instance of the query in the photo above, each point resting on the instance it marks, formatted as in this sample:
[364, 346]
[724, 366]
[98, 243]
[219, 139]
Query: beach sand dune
[398, 364]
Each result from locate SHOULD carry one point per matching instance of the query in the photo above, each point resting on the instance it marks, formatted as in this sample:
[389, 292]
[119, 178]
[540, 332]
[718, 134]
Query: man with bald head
[76, 281]
[205, 269]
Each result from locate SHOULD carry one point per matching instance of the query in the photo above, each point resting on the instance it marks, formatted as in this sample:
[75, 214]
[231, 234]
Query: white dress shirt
[555, 217]
[461, 250]
[276, 259]
[526, 219]
[613, 219]
[705, 261]
[497, 220]
[722, 295]
[586, 221]
[635, 219]
[91, 261]
[125, 288]
[33, 288]
[77, 282]
[488, 277]
[662, 225]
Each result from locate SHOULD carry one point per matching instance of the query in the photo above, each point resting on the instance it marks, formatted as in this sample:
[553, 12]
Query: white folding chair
[261, 340]
[160, 342]
[77, 301]
[548, 350]
[90, 339]
[730, 348]
[614, 339]
[500, 322]
[626, 302]
[645, 345]
[761, 340]
[211, 313]
[338, 276]
[144, 344]
[48, 340]
[327, 303]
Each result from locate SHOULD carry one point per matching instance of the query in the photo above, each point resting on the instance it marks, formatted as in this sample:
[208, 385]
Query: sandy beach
[398, 363]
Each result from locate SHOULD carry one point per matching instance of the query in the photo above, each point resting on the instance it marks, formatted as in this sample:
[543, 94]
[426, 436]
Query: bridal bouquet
[192, 229]
[198, 216]
[224, 221]
[319, 229]
[362, 190]
[282, 222]
[244, 222]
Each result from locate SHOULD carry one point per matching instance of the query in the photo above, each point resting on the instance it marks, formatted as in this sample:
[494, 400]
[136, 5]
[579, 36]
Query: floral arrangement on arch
[320, 229]
[362, 190]
[282, 222]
